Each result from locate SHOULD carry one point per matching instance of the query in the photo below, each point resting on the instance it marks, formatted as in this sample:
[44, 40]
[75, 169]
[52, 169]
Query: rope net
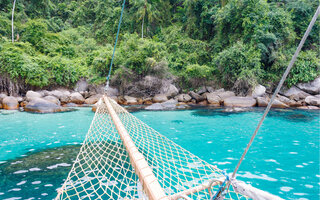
[103, 169]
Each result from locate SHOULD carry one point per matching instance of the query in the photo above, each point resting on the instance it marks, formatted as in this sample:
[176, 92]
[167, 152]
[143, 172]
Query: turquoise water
[36, 151]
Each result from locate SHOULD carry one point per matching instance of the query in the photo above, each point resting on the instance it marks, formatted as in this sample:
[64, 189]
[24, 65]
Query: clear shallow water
[36, 151]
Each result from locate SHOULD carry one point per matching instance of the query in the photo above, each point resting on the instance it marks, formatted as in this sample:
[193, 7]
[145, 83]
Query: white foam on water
[300, 194]
[209, 142]
[254, 176]
[1, 162]
[308, 186]
[48, 185]
[34, 169]
[35, 182]
[59, 165]
[272, 160]
[286, 189]
[44, 194]
[13, 198]
[299, 166]
[21, 183]
[15, 190]
[20, 172]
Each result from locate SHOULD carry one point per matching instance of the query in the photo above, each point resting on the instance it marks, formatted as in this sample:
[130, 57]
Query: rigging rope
[284, 76]
[115, 44]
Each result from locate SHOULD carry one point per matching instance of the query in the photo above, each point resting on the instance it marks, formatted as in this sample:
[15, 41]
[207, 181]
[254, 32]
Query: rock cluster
[302, 96]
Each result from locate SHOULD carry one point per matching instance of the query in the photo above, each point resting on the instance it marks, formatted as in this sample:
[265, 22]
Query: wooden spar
[149, 182]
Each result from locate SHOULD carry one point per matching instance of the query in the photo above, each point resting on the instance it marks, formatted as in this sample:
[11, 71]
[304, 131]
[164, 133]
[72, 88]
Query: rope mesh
[103, 170]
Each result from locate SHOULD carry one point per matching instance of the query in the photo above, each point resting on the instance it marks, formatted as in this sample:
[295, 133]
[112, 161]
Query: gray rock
[213, 99]
[2, 96]
[52, 99]
[240, 102]
[169, 90]
[10, 103]
[167, 105]
[93, 99]
[210, 89]
[312, 87]
[313, 100]
[295, 93]
[19, 99]
[196, 96]
[183, 98]
[39, 105]
[62, 95]
[76, 98]
[202, 90]
[81, 86]
[112, 92]
[225, 94]
[31, 94]
[131, 100]
[159, 98]
[258, 91]
[263, 102]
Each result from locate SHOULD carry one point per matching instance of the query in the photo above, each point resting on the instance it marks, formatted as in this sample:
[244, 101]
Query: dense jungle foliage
[230, 43]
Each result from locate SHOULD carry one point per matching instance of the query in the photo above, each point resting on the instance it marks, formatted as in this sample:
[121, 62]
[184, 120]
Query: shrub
[239, 64]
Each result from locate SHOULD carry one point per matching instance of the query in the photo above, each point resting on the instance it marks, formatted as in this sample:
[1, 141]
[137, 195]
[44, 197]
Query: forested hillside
[231, 43]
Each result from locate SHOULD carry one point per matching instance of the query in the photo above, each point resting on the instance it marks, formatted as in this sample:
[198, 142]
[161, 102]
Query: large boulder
[312, 87]
[10, 103]
[2, 96]
[167, 105]
[93, 99]
[295, 93]
[313, 100]
[112, 92]
[183, 98]
[62, 95]
[289, 102]
[263, 102]
[81, 86]
[76, 98]
[40, 105]
[240, 102]
[31, 94]
[159, 98]
[202, 90]
[196, 96]
[131, 100]
[213, 99]
[52, 99]
[169, 90]
[258, 91]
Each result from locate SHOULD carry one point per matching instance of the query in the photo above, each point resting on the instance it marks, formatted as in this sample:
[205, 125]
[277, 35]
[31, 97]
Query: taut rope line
[115, 44]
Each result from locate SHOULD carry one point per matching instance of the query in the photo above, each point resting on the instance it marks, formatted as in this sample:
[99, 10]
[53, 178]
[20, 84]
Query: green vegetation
[234, 43]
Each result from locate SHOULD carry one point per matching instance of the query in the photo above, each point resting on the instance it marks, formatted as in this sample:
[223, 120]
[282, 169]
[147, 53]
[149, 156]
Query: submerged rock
[10, 103]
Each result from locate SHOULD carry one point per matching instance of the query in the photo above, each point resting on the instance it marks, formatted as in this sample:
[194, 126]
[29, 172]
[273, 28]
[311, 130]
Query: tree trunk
[142, 27]
[14, 5]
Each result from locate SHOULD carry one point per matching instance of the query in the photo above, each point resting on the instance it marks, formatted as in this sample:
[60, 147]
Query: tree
[13, 7]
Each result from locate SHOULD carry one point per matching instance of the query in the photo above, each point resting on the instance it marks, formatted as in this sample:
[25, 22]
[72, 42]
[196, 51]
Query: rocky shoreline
[301, 96]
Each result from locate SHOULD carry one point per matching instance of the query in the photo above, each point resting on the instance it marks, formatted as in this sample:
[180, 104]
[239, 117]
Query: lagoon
[37, 150]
